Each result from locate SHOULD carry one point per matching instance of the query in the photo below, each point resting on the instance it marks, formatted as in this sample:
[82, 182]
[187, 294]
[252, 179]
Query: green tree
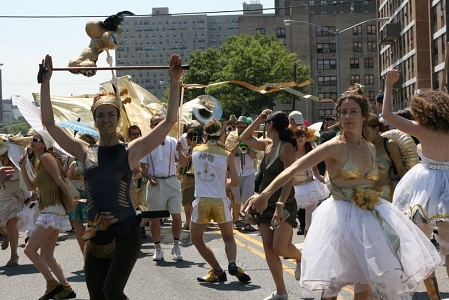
[17, 126]
[254, 59]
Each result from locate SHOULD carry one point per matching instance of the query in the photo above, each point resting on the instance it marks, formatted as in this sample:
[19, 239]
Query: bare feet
[5, 242]
[14, 261]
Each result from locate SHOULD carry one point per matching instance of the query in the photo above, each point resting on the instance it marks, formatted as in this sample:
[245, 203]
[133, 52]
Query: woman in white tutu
[52, 218]
[308, 190]
[423, 193]
[356, 238]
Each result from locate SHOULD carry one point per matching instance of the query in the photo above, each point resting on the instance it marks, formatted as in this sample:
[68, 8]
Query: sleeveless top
[270, 172]
[369, 198]
[383, 164]
[107, 179]
[210, 162]
[49, 191]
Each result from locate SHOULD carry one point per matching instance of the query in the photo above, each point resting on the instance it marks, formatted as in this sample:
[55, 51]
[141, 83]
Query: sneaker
[298, 271]
[176, 252]
[158, 255]
[238, 272]
[275, 296]
[212, 277]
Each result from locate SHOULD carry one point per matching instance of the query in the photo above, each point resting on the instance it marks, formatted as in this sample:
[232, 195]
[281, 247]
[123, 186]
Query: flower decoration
[366, 198]
[97, 224]
[310, 135]
[360, 89]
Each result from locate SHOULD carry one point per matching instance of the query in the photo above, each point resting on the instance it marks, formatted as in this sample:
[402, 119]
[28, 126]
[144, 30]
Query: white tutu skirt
[54, 221]
[310, 193]
[425, 191]
[346, 245]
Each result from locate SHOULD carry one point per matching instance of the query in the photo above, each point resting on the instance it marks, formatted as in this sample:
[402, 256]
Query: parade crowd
[368, 191]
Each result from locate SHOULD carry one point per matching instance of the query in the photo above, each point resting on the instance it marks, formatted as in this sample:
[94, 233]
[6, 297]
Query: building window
[369, 63]
[326, 48]
[354, 63]
[357, 47]
[327, 81]
[332, 96]
[372, 46]
[322, 113]
[326, 64]
[321, 31]
[357, 30]
[371, 95]
[369, 79]
[280, 32]
[371, 30]
[355, 79]
[260, 30]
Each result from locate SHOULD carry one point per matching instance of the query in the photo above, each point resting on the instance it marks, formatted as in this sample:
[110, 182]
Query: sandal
[248, 227]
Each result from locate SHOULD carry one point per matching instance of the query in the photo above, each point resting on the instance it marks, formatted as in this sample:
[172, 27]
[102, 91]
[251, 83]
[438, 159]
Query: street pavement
[170, 279]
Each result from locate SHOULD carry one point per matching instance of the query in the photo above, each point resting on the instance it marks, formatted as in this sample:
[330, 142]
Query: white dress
[348, 245]
[424, 189]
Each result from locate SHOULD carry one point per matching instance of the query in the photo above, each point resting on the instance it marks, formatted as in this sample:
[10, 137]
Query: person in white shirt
[163, 191]
[244, 163]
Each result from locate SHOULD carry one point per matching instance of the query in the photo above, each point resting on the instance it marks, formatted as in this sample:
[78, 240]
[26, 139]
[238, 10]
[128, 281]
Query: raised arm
[309, 160]
[73, 146]
[140, 147]
[410, 127]
[247, 136]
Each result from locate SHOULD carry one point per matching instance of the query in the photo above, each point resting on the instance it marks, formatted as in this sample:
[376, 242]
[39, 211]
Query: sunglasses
[36, 140]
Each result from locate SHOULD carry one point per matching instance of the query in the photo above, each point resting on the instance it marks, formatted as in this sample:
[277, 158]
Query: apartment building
[325, 36]
[152, 40]
[414, 42]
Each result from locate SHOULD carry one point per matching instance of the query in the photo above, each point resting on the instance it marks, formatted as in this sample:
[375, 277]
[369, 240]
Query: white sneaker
[176, 252]
[275, 296]
[158, 255]
[298, 271]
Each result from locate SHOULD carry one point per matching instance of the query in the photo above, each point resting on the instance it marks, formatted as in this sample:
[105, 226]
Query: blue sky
[25, 41]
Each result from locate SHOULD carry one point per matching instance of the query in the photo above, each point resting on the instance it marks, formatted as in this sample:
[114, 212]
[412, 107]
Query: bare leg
[155, 229]
[13, 234]
[39, 237]
[79, 231]
[176, 227]
[197, 237]
[227, 233]
[273, 260]
[188, 208]
[47, 253]
[363, 295]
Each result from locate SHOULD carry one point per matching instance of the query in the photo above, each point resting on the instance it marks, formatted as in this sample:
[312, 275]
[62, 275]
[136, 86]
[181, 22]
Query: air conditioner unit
[326, 51]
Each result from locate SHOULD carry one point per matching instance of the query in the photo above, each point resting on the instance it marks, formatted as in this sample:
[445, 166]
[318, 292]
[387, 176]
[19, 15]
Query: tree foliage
[17, 126]
[256, 60]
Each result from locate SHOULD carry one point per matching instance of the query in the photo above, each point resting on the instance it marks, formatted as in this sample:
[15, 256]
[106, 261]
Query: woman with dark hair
[113, 238]
[52, 218]
[356, 238]
[277, 215]
[308, 185]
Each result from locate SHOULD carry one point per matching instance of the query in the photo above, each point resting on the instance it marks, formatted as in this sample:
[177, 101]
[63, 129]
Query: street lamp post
[337, 41]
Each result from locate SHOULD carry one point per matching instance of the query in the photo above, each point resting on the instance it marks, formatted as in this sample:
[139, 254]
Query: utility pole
[294, 79]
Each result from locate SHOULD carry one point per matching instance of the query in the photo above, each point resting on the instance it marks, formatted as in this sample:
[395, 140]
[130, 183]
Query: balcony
[389, 34]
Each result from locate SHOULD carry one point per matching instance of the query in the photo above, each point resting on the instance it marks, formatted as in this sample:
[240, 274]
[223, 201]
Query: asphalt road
[174, 280]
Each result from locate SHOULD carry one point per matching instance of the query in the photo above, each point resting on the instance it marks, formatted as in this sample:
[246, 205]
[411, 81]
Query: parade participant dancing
[308, 190]
[13, 192]
[54, 200]
[114, 236]
[279, 148]
[356, 238]
[423, 193]
[211, 163]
